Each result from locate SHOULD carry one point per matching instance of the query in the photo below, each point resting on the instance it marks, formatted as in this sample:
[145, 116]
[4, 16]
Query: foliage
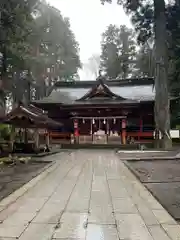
[37, 47]
[143, 20]
[14, 29]
[173, 26]
[118, 51]
[145, 61]
[55, 44]
[5, 131]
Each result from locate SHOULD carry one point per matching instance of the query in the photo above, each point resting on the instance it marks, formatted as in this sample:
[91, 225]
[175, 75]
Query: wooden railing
[60, 135]
[83, 138]
[130, 134]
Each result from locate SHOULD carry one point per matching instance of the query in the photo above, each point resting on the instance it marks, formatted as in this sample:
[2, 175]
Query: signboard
[174, 133]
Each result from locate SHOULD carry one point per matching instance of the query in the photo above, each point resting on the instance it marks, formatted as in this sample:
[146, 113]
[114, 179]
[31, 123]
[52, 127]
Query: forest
[37, 48]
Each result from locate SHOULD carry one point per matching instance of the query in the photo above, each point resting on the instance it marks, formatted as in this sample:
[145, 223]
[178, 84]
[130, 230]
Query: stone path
[86, 195]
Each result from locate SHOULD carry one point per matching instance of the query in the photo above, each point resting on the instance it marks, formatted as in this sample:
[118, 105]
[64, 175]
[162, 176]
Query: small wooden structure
[32, 118]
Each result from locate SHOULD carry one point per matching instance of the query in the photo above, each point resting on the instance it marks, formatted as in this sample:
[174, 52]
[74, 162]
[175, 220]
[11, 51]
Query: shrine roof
[102, 102]
[29, 116]
[81, 92]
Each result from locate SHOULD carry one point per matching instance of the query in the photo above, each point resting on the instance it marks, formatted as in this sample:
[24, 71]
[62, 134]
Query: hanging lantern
[104, 121]
[93, 121]
[114, 121]
[83, 121]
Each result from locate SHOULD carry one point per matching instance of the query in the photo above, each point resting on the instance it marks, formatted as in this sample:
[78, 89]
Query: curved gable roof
[100, 90]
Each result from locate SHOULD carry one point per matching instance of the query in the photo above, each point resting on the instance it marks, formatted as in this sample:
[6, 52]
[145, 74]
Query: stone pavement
[86, 195]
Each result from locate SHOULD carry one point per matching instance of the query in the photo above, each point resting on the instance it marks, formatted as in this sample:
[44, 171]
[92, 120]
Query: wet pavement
[86, 195]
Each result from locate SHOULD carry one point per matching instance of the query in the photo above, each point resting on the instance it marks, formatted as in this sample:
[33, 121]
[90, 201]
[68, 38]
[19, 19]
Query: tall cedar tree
[118, 51]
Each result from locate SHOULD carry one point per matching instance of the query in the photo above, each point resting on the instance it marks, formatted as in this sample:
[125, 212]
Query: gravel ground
[13, 177]
[162, 178]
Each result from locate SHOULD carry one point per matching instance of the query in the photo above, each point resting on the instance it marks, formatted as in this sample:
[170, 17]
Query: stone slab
[122, 205]
[72, 225]
[131, 226]
[101, 216]
[97, 232]
[50, 213]
[173, 231]
[147, 215]
[15, 231]
[19, 218]
[163, 217]
[38, 232]
[158, 233]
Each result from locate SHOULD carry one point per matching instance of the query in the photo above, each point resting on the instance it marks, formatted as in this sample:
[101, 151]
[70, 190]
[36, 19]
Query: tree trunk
[2, 103]
[3, 81]
[29, 87]
[162, 102]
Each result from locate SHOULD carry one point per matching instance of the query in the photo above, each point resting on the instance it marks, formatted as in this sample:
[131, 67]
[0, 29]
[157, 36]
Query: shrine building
[102, 111]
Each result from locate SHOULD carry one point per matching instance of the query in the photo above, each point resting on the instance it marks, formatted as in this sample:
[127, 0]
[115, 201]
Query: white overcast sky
[88, 20]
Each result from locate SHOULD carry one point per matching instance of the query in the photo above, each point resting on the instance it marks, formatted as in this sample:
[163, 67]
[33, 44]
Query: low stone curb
[40, 155]
[148, 158]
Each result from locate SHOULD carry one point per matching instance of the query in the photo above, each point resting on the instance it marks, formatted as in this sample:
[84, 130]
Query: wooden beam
[113, 117]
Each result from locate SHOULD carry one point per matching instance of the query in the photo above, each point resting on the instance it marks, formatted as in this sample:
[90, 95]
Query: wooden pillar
[47, 139]
[140, 127]
[26, 136]
[107, 129]
[123, 131]
[91, 120]
[76, 131]
[36, 139]
[12, 136]
[50, 138]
